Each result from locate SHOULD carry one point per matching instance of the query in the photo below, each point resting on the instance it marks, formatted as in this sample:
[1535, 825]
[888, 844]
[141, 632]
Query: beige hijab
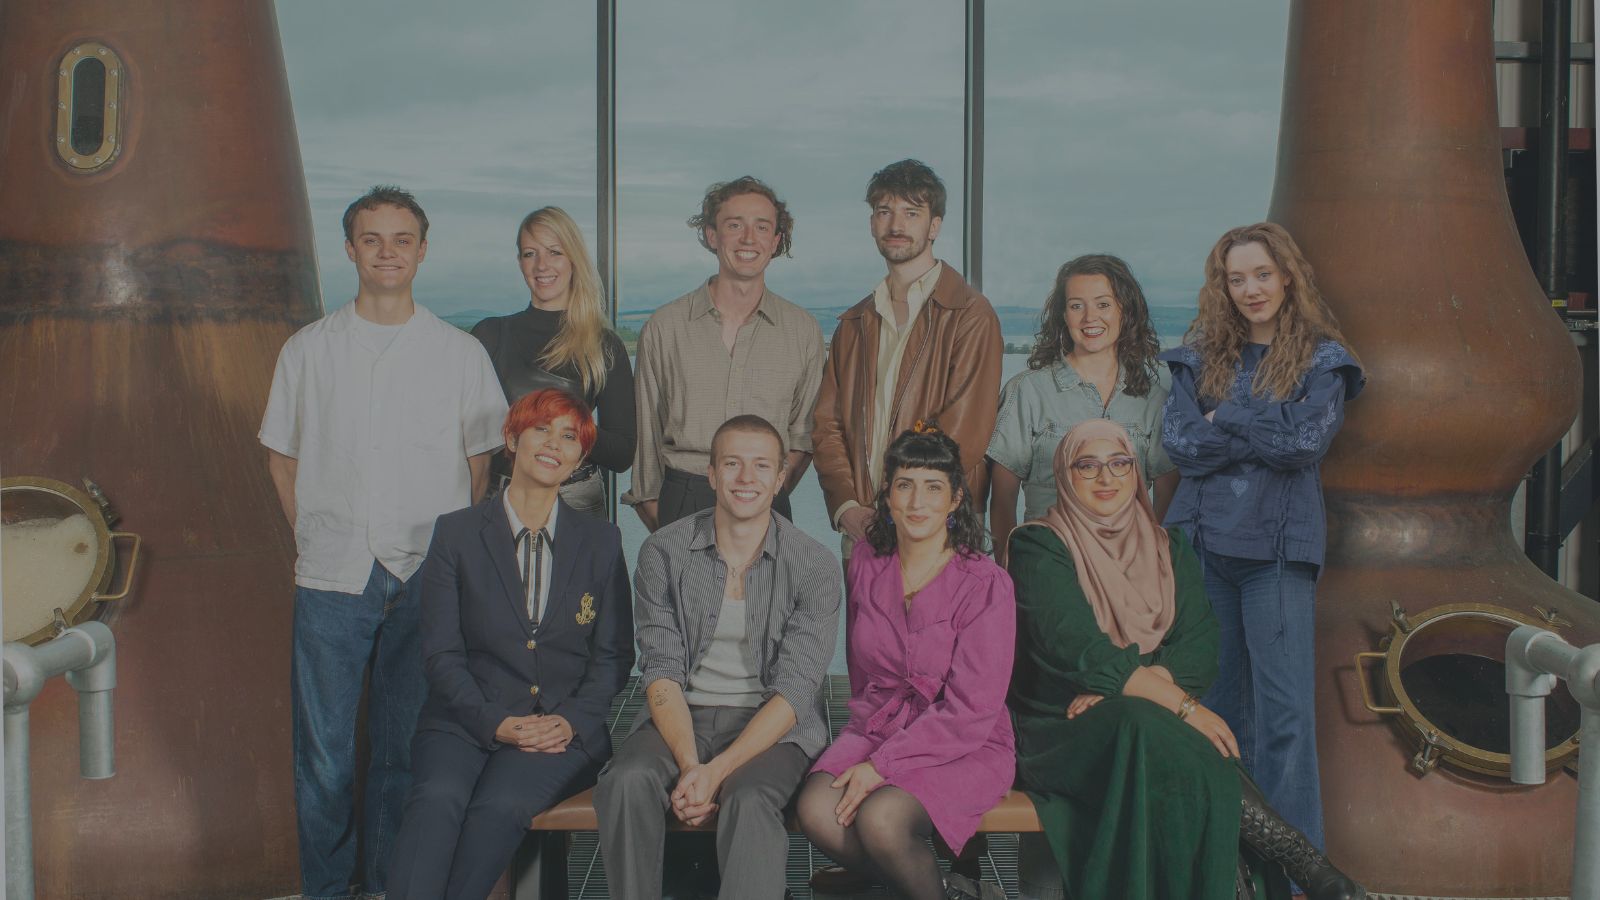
[1124, 560]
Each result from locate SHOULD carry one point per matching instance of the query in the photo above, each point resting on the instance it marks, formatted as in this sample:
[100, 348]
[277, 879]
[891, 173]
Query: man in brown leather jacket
[923, 345]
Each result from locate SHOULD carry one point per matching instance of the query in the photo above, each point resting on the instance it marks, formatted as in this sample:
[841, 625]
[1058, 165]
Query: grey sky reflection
[1105, 132]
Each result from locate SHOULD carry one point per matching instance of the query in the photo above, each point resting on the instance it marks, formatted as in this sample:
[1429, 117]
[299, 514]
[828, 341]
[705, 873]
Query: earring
[890, 520]
[950, 522]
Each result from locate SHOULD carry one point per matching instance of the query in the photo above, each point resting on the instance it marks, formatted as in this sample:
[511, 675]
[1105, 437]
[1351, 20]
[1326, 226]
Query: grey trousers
[632, 803]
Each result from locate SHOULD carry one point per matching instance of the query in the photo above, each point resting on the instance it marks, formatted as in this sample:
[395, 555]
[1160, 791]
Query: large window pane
[485, 112]
[1143, 129]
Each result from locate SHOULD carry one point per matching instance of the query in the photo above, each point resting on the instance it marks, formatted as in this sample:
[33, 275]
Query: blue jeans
[336, 636]
[1265, 688]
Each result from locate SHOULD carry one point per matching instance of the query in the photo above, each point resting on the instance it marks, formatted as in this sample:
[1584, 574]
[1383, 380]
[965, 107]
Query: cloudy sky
[1105, 133]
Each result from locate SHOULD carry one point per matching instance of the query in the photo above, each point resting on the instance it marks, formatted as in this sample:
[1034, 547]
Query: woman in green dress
[1137, 785]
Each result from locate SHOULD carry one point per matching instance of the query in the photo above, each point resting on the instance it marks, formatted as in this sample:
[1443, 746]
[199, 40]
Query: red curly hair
[545, 406]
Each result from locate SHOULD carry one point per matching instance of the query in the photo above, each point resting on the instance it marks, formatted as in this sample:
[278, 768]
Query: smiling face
[746, 470]
[903, 230]
[744, 237]
[1105, 492]
[1257, 287]
[546, 453]
[920, 501]
[387, 248]
[1093, 315]
[545, 267]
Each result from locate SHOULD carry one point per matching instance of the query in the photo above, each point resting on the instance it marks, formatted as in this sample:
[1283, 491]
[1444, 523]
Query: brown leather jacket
[950, 373]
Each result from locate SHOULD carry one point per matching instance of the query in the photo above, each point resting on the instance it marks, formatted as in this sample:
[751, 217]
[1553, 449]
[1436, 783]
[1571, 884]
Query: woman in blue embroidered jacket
[1258, 392]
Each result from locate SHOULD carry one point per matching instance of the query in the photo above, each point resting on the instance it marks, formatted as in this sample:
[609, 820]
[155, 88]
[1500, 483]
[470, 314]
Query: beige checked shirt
[688, 383]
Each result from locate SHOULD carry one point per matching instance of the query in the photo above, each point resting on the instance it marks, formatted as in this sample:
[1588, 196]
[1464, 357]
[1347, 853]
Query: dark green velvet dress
[1135, 803]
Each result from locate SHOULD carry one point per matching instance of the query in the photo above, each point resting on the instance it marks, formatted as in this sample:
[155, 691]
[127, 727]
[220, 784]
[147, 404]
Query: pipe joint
[1583, 677]
[1524, 678]
[100, 672]
[24, 678]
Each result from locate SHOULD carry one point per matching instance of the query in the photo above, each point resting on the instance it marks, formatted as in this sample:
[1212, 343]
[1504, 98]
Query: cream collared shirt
[891, 353]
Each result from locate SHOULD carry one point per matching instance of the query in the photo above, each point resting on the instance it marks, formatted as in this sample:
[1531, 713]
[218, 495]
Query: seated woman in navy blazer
[527, 635]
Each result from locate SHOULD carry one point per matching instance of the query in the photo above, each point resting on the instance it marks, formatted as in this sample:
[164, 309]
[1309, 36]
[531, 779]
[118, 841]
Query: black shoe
[1278, 841]
[960, 887]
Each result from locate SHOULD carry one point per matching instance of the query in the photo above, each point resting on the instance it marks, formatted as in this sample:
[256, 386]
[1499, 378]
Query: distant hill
[1017, 323]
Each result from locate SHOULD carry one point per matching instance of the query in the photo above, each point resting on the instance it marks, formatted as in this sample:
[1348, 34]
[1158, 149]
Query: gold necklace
[925, 577]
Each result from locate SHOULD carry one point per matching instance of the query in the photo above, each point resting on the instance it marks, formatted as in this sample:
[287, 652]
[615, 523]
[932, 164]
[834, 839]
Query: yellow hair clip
[921, 427]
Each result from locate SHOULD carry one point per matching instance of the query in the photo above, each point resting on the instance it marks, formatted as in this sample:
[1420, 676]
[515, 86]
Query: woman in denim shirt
[1258, 392]
[1094, 358]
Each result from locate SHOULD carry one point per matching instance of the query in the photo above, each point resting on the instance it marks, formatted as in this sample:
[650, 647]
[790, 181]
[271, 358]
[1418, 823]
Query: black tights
[888, 839]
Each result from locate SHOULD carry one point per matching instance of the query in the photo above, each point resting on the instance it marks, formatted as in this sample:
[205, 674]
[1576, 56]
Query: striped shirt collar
[705, 533]
[549, 528]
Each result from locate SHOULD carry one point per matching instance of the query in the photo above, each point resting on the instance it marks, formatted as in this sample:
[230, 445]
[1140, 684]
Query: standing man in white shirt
[381, 418]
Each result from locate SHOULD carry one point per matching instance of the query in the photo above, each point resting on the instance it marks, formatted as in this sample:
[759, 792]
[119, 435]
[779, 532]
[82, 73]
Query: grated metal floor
[587, 871]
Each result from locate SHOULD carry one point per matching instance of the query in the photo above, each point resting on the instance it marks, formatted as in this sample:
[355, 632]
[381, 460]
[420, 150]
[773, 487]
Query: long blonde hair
[1220, 332]
[581, 341]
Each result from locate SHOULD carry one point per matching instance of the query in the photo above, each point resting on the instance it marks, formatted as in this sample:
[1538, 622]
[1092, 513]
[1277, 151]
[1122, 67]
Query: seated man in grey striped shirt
[736, 611]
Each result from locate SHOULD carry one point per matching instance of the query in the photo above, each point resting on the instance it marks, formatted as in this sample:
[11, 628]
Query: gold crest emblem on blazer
[585, 609]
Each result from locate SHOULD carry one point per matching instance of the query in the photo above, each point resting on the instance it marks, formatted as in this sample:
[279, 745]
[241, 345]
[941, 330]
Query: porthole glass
[89, 95]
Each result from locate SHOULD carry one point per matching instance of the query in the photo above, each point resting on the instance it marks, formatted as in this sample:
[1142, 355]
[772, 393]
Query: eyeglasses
[1089, 469]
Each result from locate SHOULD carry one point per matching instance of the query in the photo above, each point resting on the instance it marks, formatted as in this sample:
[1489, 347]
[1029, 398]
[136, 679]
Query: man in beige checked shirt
[730, 347]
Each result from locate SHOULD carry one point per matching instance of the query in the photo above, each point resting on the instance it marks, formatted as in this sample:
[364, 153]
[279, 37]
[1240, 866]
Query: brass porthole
[89, 89]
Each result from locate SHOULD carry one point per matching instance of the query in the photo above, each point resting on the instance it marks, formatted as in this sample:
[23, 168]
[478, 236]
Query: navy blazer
[483, 658]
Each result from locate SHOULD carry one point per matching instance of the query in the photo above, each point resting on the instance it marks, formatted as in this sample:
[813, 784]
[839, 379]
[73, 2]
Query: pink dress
[928, 686]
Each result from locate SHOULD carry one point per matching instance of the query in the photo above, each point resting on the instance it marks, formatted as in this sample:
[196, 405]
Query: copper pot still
[1389, 176]
[155, 253]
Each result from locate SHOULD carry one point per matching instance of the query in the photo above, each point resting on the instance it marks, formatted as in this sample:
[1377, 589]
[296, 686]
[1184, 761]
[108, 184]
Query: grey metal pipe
[1536, 657]
[94, 684]
[87, 655]
[19, 820]
[1586, 838]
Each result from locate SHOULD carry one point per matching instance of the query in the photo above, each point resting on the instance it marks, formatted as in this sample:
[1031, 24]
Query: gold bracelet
[1187, 706]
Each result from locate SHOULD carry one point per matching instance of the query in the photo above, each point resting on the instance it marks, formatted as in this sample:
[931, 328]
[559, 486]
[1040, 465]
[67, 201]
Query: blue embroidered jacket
[1251, 486]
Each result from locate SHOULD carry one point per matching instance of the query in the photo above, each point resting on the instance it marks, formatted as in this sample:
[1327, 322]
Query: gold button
[534, 690]
[532, 645]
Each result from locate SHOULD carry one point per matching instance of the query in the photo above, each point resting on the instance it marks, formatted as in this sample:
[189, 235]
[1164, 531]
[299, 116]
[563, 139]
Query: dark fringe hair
[928, 448]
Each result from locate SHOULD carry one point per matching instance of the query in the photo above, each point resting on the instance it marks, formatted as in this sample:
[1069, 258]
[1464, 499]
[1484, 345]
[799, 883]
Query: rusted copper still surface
[1389, 176]
[142, 307]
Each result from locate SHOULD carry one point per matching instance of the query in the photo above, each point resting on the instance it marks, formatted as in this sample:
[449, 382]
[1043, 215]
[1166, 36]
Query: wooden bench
[539, 871]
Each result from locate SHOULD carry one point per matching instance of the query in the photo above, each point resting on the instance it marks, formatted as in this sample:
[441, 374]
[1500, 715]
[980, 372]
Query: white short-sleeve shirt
[381, 440]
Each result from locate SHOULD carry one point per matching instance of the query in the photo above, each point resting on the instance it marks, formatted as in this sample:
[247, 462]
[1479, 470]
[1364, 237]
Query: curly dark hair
[928, 448]
[909, 180]
[1137, 345]
[723, 191]
[384, 195]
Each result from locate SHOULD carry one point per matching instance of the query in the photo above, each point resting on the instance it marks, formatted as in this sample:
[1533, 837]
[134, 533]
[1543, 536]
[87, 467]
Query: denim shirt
[1251, 484]
[1039, 406]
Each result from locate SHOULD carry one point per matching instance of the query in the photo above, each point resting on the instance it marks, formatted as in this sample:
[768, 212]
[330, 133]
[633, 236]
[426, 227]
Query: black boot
[1279, 842]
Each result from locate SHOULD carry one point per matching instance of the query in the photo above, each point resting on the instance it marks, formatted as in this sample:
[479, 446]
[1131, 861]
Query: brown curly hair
[1137, 344]
[1220, 331]
[723, 191]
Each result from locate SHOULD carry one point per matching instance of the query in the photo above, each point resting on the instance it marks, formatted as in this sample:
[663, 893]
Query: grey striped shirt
[792, 594]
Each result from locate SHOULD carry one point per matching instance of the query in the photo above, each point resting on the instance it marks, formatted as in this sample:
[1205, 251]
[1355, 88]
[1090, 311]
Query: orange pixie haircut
[545, 406]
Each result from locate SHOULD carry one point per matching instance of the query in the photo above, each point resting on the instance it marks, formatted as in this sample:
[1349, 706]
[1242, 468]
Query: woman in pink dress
[931, 629]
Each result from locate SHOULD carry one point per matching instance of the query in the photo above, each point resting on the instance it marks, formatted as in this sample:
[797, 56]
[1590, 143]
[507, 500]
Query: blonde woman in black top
[562, 339]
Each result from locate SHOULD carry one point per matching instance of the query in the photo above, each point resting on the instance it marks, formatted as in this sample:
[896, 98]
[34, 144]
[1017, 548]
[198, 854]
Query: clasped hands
[535, 734]
[694, 799]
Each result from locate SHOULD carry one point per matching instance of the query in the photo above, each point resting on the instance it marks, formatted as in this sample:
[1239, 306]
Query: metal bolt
[61, 140]
[102, 51]
[73, 160]
[61, 106]
[62, 72]
[111, 105]
[97, 160]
